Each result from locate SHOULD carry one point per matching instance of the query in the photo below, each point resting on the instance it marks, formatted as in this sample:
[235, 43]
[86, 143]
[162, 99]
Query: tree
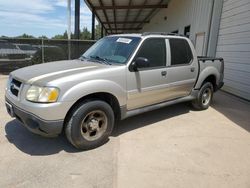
[64, 36]
[43, 37]
[85, 34]
[26, 36]
[98, 31]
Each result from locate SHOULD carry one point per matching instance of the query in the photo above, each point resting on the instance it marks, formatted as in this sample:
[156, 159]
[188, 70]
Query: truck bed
[205, 58]
[212, 64]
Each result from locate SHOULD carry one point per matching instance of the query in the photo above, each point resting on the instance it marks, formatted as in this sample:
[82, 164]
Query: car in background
[10, 52]
[27, 49]
[48, 53]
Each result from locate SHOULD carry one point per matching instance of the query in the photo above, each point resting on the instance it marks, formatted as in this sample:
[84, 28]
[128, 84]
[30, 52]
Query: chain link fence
[16, 53]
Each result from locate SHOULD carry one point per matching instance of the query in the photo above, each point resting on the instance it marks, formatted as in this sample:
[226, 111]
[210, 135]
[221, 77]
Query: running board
[157, 106]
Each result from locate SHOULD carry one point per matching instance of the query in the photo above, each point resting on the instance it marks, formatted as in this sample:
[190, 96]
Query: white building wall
[227, 34]
[181, 13]
[234, 46]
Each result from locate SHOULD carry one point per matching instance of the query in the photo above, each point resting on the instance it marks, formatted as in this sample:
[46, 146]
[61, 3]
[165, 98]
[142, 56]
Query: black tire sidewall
[203, 88]
[76, 120]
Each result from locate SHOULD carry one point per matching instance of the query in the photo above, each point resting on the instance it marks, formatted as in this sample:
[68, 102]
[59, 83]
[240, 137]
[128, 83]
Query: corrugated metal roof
[125, 16]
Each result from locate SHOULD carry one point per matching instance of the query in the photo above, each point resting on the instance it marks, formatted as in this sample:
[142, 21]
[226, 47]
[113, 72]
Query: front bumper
[34, 123]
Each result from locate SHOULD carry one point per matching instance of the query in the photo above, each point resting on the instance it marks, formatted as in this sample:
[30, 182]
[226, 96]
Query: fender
[95, 86]
[208, 71]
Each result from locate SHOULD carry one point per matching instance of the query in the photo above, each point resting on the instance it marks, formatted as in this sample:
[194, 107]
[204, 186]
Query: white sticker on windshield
[124, 40]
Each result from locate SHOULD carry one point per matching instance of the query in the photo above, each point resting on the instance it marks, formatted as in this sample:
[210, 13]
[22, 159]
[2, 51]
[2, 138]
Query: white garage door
[234, 46]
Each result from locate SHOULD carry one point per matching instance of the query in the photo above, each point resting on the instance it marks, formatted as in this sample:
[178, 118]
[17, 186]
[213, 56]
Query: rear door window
[181, 53]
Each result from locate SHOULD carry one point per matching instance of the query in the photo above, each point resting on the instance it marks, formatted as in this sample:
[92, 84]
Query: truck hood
[54, 70]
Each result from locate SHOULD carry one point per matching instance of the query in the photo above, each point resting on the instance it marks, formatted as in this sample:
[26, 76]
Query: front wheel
[90, 125]
[204, 98]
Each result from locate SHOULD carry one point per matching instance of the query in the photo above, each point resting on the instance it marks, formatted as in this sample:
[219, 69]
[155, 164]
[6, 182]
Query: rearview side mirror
[139, 63]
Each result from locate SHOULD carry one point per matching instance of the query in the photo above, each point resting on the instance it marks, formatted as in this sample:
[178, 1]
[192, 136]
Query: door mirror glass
[140, 63]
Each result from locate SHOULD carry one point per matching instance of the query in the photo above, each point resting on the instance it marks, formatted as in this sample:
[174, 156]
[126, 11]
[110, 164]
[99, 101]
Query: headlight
[42, 94]
[8, 82]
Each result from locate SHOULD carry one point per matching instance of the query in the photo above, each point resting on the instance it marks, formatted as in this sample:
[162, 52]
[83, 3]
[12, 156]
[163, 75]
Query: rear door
[182, 69]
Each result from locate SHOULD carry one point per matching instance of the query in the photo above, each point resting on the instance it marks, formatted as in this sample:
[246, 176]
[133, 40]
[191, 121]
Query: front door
[148, 86]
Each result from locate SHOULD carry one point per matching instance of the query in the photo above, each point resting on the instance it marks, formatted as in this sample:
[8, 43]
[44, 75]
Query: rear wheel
[90, 125]
[205, 97]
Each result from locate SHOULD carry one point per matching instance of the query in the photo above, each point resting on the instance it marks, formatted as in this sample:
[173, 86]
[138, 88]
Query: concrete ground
[170, 147]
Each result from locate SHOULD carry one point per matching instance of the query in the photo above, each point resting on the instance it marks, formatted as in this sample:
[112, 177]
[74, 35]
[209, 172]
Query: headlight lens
[8, 82]
[42, 94]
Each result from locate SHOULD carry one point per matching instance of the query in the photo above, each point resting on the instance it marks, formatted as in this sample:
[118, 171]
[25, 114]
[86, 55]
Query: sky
[39, 17]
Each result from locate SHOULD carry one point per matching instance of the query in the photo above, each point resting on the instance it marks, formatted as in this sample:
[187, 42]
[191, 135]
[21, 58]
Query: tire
[90, 125]
[205, 97]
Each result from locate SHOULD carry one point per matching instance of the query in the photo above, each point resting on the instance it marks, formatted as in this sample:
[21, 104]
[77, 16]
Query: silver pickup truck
[118, 77]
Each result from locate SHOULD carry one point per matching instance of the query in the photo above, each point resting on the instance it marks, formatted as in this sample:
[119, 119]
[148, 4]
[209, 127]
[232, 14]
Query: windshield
[115, 49]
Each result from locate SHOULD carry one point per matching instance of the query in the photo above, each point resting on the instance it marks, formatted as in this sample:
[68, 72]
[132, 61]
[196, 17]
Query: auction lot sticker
[124, 40]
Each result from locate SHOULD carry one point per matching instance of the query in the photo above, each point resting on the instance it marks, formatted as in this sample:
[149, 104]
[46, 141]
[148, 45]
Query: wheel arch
[210, 74]
[212, 79]
[102, 96]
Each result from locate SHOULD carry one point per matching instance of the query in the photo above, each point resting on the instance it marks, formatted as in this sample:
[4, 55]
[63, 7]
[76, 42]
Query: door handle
[164, 73]
[192, 69]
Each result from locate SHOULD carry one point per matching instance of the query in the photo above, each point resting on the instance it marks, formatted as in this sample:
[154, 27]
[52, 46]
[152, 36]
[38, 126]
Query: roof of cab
[147, 34]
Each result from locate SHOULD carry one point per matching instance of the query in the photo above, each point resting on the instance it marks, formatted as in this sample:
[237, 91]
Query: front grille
[15, 86]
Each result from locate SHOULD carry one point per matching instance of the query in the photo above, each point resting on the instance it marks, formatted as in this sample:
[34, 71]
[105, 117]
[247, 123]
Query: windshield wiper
[98, 58]
[82, 58]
